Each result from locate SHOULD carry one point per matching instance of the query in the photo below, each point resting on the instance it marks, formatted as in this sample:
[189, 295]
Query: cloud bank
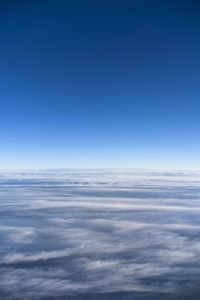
[99, 234]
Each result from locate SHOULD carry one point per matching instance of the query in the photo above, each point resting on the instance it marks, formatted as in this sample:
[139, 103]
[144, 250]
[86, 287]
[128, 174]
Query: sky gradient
[99, 84]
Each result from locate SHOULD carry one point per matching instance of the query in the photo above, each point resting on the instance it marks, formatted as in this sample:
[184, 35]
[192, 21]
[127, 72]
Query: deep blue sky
[100, 83]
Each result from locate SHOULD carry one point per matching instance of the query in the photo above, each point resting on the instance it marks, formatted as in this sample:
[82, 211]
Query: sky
[99, 84]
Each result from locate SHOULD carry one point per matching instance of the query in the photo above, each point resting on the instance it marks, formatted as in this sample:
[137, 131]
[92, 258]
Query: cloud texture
[99, 234]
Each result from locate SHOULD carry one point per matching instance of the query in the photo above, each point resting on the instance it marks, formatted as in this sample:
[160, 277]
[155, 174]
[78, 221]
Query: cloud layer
[99, 234]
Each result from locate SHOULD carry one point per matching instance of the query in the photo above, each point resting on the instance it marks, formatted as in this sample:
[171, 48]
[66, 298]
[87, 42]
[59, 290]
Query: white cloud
[102, 231]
